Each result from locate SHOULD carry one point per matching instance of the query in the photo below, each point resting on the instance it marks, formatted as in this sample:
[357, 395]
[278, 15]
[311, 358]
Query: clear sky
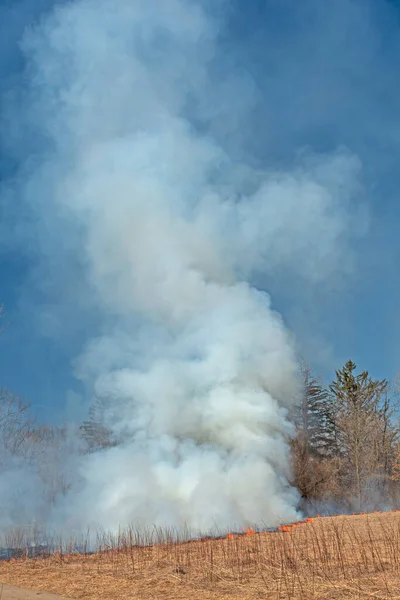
[322, 76]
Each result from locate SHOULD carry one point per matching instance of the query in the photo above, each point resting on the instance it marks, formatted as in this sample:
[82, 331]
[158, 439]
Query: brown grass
[335, 558]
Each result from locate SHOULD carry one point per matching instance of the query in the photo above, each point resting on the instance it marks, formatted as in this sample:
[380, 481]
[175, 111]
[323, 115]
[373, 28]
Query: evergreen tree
[311, 472]
[355, 420]
[94, 431]
[311, 415]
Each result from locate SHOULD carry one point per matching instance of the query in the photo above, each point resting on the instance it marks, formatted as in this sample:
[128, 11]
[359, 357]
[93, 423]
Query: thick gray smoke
[167, 230]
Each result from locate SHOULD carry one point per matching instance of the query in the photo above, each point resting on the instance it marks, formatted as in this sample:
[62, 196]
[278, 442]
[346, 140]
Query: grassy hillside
[326, 558]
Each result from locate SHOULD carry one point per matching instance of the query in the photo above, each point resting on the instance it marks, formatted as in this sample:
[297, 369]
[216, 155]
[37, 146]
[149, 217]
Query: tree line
[346, 449]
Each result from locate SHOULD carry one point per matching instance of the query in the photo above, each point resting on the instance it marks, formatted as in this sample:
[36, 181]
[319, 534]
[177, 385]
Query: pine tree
[94, 431]
[311, 415]
[311, 473]
[355, 425]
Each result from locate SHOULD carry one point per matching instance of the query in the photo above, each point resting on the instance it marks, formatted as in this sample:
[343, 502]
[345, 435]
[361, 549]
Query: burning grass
[322, 558]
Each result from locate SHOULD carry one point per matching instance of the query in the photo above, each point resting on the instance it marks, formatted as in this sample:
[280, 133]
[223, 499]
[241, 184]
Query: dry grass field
[335, 558]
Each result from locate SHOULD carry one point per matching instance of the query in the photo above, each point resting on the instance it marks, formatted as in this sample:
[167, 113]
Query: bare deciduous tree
[16, 423]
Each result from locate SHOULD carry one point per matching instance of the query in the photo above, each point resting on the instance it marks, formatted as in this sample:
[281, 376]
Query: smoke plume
[145, 213]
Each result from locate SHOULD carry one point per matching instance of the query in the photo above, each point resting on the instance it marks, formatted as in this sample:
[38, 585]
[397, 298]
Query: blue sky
[321, 76]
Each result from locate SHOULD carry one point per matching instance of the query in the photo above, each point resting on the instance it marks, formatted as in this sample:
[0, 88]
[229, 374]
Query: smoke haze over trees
[345, 449]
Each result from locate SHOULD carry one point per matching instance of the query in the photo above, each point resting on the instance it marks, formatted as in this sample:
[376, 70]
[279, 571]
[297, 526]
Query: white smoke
[169, 230]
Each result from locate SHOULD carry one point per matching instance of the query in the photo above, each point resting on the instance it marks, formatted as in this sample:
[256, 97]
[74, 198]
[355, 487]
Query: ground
[332, 558]
[13, 593]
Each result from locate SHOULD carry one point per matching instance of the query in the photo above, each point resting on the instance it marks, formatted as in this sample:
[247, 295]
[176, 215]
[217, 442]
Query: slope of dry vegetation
[332, 558]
